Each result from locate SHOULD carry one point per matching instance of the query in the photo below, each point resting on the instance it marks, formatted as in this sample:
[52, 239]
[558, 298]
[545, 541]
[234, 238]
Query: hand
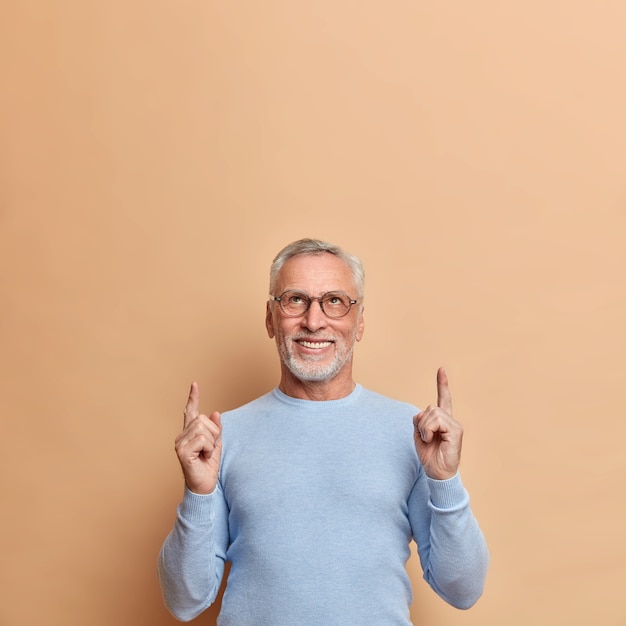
[437, 435]
[199, 446]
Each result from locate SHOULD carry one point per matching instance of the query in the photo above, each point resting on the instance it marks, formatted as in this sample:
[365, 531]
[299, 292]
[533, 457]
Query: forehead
[315, 274]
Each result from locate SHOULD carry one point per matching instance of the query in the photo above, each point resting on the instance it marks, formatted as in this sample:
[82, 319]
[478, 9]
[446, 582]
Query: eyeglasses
[334, 304]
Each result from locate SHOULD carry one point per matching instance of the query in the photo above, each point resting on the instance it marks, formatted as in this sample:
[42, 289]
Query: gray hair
[315, 246]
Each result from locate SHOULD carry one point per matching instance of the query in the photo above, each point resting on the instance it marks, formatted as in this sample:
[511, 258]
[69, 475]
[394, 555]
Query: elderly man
[314, 491]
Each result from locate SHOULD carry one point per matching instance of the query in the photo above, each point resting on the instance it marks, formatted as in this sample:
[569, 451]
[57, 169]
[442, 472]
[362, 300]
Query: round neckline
[283, 397]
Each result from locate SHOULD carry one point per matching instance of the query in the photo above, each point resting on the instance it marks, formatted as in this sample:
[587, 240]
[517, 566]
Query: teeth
[315, 344]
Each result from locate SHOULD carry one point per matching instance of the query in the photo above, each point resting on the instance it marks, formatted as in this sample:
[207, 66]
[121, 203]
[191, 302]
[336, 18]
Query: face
[313, 347]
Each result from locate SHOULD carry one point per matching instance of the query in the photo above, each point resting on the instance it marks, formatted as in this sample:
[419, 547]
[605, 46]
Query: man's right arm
[191, 562]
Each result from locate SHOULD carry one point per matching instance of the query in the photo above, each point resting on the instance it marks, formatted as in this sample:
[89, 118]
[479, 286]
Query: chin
[313, 373]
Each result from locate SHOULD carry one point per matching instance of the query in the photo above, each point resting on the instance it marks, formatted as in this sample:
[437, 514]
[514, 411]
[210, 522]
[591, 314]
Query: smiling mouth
[314, 344]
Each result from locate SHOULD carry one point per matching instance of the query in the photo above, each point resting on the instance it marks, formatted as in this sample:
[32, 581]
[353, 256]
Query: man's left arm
[451, 546]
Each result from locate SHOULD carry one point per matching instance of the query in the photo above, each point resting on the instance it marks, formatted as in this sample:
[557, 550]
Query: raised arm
[191, 561]
[452, 549]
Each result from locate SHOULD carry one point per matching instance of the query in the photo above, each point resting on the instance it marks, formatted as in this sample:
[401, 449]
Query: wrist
[447, 494]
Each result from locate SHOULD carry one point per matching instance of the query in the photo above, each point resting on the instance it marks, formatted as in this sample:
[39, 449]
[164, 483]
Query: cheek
[282, 328]
[352, 332]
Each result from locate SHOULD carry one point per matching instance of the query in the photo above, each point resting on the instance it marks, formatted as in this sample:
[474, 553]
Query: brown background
[155, 155]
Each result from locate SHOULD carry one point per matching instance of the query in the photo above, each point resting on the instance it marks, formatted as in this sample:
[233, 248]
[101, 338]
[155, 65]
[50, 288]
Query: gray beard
[310, 370]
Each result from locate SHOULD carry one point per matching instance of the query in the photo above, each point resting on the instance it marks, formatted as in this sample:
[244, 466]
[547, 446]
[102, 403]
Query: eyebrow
[325, 293]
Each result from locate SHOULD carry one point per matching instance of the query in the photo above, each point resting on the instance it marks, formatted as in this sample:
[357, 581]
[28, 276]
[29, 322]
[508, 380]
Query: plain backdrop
[154, 156]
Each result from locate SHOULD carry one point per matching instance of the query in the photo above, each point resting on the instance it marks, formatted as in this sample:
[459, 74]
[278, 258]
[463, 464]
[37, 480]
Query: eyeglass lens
[334, 304]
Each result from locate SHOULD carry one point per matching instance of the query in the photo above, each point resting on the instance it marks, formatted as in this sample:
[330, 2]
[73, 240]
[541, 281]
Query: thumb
[216, 418]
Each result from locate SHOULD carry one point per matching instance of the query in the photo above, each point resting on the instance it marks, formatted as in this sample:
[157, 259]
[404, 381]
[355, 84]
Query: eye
[336, 300]
[297, 298]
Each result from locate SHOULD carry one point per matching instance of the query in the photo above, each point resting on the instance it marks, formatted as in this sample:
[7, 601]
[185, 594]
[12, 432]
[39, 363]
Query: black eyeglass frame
[310, 299]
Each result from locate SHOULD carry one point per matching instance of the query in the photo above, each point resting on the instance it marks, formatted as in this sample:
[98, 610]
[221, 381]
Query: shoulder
[382, 402]
[376, 410]
[260, 404]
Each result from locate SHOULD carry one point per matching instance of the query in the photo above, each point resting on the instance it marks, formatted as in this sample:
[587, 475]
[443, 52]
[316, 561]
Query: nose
[314, 318]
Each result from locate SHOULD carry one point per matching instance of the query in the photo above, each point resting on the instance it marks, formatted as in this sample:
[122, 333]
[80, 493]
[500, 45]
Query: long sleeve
[451, 547]
[191, 561]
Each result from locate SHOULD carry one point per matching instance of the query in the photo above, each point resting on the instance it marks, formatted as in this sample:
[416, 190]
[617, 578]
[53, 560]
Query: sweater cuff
[196, 507]
[449, 493]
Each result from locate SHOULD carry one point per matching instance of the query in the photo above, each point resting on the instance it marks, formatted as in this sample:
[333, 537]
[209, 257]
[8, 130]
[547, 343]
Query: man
[314, 490]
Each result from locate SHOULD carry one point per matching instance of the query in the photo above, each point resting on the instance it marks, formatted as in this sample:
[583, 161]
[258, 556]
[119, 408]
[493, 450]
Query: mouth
[314, 344]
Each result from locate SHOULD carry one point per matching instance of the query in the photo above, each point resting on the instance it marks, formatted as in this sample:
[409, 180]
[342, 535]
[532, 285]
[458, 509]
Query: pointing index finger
[192, 409]
[444, 400]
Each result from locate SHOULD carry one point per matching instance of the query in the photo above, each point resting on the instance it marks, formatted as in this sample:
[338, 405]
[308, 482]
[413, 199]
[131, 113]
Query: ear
[360, 327]
[269, 321]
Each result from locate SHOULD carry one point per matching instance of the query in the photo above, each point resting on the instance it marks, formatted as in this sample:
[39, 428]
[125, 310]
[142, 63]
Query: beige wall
[155, 155]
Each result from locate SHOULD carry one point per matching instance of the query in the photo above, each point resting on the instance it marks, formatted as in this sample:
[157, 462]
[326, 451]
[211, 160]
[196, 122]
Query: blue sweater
[315, 508]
